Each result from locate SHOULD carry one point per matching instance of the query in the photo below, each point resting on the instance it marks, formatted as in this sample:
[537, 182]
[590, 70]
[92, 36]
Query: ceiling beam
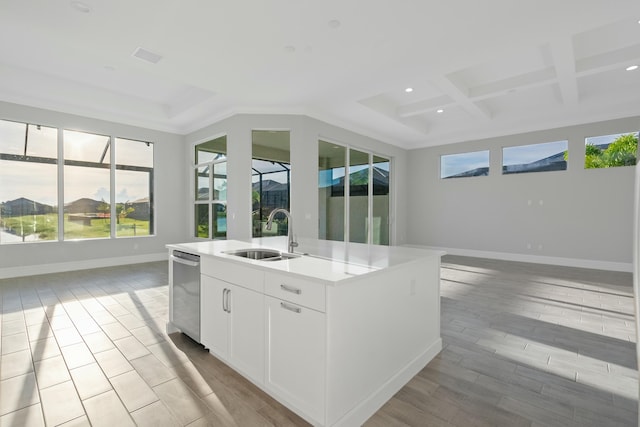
[381, 104]
[564, 61]
[460, 95]
[541, 77]
[608, 60]
[425, 106]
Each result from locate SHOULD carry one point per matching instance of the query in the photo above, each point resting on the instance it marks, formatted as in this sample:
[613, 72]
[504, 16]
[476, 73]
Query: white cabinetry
[213, 316]
[333, 351]
[232, 321]
[295, 370]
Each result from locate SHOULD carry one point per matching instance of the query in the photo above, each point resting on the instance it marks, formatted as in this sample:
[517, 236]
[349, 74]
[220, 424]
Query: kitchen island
[331, 334]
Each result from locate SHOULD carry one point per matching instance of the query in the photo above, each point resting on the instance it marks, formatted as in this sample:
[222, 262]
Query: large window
[611, 150]
[380, 200]
[548, 156]
[87, 188]
[270, 181]
[354, 209]
[331, 171]
[134, 188]
[30, 165]
[28, 183]
[464, 165]
[359, 179]
[210, 197]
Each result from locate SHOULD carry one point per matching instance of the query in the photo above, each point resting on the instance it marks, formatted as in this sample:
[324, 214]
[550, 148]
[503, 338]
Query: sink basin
[262, 254]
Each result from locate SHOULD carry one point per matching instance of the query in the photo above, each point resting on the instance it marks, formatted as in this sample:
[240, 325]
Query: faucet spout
[291, 243]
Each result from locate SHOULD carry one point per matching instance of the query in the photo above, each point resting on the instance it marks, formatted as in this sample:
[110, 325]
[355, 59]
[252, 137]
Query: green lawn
[132, 227]
[46, 227]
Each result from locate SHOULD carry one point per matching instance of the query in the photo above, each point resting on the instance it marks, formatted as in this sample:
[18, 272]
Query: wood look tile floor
[524, 345]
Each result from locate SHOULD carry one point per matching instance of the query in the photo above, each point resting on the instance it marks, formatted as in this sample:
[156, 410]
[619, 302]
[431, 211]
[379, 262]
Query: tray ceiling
[494, 67]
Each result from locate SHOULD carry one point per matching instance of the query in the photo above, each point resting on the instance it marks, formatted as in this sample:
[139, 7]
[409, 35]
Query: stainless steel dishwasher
[185, 293]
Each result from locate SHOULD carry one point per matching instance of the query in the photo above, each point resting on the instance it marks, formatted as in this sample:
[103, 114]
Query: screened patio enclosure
[270, 181]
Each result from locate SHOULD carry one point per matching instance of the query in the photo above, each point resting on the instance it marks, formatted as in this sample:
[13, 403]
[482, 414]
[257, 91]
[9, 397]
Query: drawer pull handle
[226, 307]
[290, 308]
[290, 289]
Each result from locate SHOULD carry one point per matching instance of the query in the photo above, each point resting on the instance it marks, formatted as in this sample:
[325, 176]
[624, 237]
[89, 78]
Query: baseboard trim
[537, 259]
[361, 413]
[32, 270]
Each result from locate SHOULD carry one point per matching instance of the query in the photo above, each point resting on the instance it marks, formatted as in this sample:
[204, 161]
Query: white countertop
[326, 260]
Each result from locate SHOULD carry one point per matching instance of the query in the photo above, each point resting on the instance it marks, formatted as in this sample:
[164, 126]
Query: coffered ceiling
[492, 67]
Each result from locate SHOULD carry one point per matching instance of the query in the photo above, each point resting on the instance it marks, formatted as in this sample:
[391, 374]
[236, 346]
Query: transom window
[464, 165]
[544, 157]
[610, 151]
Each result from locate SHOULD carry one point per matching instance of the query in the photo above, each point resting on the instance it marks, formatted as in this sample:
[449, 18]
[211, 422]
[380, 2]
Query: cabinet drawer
[247, 277]
[300, 291]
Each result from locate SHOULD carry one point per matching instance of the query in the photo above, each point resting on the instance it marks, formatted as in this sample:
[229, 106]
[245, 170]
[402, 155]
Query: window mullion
[347, 192]
[112, 184]
[370, 201]
[60, 184]
[211, 199]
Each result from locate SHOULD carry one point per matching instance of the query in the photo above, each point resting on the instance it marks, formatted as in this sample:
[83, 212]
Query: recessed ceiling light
[409, 90]
[81, 7]
[632, 67]
[440, 111]
[334, 23]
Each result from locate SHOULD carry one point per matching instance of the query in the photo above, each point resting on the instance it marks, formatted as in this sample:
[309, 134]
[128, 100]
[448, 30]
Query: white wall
[173, 157]
[576, 217]
[305, 133]
[170, 212]
[586, 216]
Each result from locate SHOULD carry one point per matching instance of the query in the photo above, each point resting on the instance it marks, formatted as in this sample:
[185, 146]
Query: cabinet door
[214, 319]
[296, 356]
[246, 332]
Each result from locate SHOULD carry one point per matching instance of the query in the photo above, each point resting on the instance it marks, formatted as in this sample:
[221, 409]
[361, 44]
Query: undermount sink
[262, 254]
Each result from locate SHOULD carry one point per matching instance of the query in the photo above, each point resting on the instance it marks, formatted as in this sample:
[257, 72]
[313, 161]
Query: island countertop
[324, 260]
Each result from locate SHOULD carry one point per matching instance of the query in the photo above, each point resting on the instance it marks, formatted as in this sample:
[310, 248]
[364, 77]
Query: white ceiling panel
[343, 62]
[613, 84]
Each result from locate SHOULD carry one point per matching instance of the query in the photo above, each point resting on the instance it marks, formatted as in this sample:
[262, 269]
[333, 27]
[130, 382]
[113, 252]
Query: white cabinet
[246, 331]
[213, 316]
[296, 356]
[305, 292]
[332, 352]
[232, 325]
[296, 343]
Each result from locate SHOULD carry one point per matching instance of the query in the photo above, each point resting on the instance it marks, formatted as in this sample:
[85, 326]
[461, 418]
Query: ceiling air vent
[147, 55]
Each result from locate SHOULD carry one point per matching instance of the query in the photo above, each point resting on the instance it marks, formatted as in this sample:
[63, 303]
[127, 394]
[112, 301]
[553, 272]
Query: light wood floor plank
[524, 345]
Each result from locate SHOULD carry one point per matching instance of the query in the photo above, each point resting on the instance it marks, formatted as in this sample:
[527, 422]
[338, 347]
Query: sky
[597, 140]
[38, 181]
[454, 164]
[524, 154]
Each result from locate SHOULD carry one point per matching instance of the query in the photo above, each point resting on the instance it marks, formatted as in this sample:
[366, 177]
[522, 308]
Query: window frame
[460, 174]
[60, 161]
[618, 136]
[551, 168]
[348, 148]
[210, 201]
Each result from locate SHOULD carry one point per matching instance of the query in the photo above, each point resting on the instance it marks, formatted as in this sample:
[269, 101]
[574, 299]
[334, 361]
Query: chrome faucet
[273, 213]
